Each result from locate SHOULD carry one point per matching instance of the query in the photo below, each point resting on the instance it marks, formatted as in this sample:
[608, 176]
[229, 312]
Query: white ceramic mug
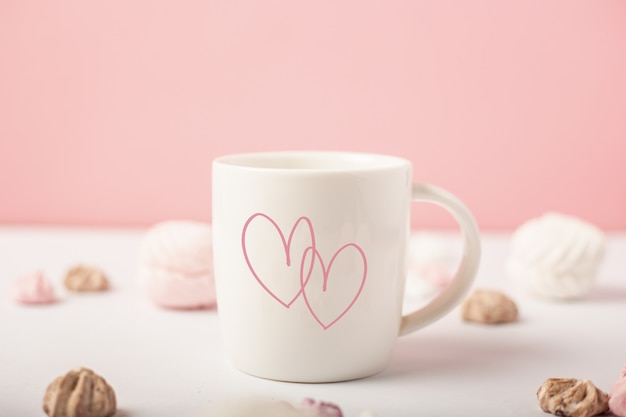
[310, 260]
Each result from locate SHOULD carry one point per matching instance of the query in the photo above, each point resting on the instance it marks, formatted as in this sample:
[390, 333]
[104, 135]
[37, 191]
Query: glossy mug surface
[310, 258]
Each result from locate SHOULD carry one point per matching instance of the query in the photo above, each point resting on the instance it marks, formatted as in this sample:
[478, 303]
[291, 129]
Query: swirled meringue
[556, 256]
[33, 288]
[176, 265]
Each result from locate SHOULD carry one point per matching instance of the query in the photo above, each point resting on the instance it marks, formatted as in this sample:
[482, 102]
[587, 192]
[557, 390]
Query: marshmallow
[556, 256]
[176, 265]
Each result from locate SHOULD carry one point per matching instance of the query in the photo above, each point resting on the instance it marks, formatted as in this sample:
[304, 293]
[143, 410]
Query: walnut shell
[79, 393]
[86, 278]
[572, 397]
[489, 307]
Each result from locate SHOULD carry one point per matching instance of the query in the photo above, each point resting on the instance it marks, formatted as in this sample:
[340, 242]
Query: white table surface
[165, 363]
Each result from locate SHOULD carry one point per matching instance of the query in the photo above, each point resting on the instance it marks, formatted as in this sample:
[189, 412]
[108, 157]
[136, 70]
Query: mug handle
[464, 276]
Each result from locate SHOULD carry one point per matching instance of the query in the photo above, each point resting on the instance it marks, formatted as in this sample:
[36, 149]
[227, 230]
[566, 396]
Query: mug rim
[311, 161]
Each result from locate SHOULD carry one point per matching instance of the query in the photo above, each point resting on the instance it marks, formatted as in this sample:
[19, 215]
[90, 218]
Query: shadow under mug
[310, 261]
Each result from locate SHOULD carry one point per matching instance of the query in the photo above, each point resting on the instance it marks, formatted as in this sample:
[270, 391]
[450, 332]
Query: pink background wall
[111, 111]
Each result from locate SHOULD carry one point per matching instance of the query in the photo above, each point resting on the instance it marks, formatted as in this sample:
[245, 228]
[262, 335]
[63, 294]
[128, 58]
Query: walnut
[86, 278]
[79, 393]
[572, 397]
[489, 307]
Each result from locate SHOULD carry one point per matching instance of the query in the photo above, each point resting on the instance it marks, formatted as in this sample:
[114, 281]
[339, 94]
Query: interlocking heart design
[311, 260]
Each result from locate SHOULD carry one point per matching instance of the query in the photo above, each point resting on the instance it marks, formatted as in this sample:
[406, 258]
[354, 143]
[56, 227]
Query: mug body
[310, 261]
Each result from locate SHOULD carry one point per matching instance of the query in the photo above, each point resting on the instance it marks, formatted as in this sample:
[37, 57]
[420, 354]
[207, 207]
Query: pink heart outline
[326, 272]
[287, 248]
